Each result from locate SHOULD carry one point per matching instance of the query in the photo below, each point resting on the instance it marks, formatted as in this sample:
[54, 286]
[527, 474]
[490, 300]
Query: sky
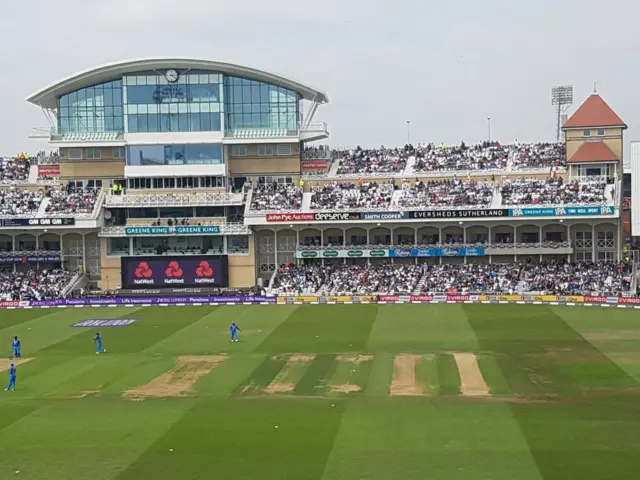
[443, 66]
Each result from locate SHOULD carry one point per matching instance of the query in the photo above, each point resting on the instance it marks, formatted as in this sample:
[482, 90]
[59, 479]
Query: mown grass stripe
[262, 376]
[427, 374]
[493, 375]
[448, 375]
[319, 371]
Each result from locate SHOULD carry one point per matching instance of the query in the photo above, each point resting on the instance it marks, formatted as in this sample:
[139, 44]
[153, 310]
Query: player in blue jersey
[12, 377]
[16, 347]
[99, 346]
[234, 329]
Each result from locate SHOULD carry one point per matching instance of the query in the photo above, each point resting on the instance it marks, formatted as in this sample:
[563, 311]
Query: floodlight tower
[561, 100]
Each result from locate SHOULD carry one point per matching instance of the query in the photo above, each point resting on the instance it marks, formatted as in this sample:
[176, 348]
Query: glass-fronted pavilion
[175, 95]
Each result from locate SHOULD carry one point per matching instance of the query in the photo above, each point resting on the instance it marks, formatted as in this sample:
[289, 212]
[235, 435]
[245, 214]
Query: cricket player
[234, 329]
[16, 347]
[12, 377]
[100, 347]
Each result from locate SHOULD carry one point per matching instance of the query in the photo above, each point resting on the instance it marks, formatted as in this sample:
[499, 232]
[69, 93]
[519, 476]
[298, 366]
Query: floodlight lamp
[562, 95]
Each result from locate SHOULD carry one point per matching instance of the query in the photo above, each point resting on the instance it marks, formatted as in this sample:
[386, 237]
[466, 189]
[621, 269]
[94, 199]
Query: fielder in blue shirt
[234, 329]
[100, 347]
[16, 347]
[12, 377]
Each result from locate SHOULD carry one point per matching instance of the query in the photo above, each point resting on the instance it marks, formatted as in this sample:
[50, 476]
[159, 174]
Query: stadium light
[561, 100]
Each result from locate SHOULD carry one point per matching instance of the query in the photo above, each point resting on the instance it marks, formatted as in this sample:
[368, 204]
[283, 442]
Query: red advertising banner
[458, 298]
[49, 170]
[627, 300]
[290, 217]
[389, 298]
[314, 164]
[421, 298]
[595, 299]
[8, 304]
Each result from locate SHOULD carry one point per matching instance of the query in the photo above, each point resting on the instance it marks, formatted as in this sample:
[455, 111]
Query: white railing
[409, 172]
[315, 127]
[486, 246]
[225, 229]
[48, 160]
[589, 179]
[170, 199]
[30, 253]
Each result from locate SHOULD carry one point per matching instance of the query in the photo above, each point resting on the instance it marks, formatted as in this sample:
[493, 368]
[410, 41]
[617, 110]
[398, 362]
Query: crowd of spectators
[446, 193]
[72, 201]
[348, 279]
[373, 162]
[552, 191]
[18, 202]
[483, 156]
[554, 278]
[276, 196]
[15, 169]
[34, 284]
[344, 196]
[538, 156]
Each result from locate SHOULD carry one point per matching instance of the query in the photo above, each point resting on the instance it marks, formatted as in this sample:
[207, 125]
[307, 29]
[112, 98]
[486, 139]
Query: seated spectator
[33, 284]
[372, 162]
[18, 202]
[348, 279]
[538, 156]
[276, 196]
[446, 193]
[345, 196]
[552, 191]
[553, 278]
[483, 156]
[15, 169]
[72, 201]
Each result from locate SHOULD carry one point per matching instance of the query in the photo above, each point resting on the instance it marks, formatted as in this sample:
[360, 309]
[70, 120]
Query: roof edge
[82, 79]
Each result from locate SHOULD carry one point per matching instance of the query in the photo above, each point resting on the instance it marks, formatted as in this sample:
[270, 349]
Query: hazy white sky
[445, 66]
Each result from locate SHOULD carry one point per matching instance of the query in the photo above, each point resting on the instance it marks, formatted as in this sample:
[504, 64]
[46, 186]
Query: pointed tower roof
[594, 112]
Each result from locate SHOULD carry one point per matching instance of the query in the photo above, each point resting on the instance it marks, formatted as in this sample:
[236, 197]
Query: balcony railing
[486, 246]
[169, 199]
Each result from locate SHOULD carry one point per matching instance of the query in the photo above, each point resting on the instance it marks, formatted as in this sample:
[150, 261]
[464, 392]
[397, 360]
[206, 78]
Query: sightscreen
[175, 271]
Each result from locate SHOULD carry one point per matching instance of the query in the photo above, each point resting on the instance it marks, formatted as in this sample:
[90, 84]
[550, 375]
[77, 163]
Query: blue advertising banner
[384, 215]
[49, 258]
[38, 222]
[177, 230]
[562, 211]
[437, 252]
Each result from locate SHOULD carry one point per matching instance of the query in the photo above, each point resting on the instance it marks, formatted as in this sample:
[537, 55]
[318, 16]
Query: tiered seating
[72, 201]
[34, 285]
[20, 203]
[344, 196]
[446, 193]
[556, 278]
[552, 191]
[348, 279]
[15, 169]
[538, 156]
[373, 162]
[275, 196]
[484, 156]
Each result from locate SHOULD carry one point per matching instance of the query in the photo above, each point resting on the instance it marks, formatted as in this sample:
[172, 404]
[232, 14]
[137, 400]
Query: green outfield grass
[324, 392]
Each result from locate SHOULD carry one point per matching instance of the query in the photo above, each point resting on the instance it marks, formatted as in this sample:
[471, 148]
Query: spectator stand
[35, 285]
[546, 278]
[74, 202]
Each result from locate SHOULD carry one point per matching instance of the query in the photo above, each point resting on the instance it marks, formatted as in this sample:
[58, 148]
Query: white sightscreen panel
[635, 189]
